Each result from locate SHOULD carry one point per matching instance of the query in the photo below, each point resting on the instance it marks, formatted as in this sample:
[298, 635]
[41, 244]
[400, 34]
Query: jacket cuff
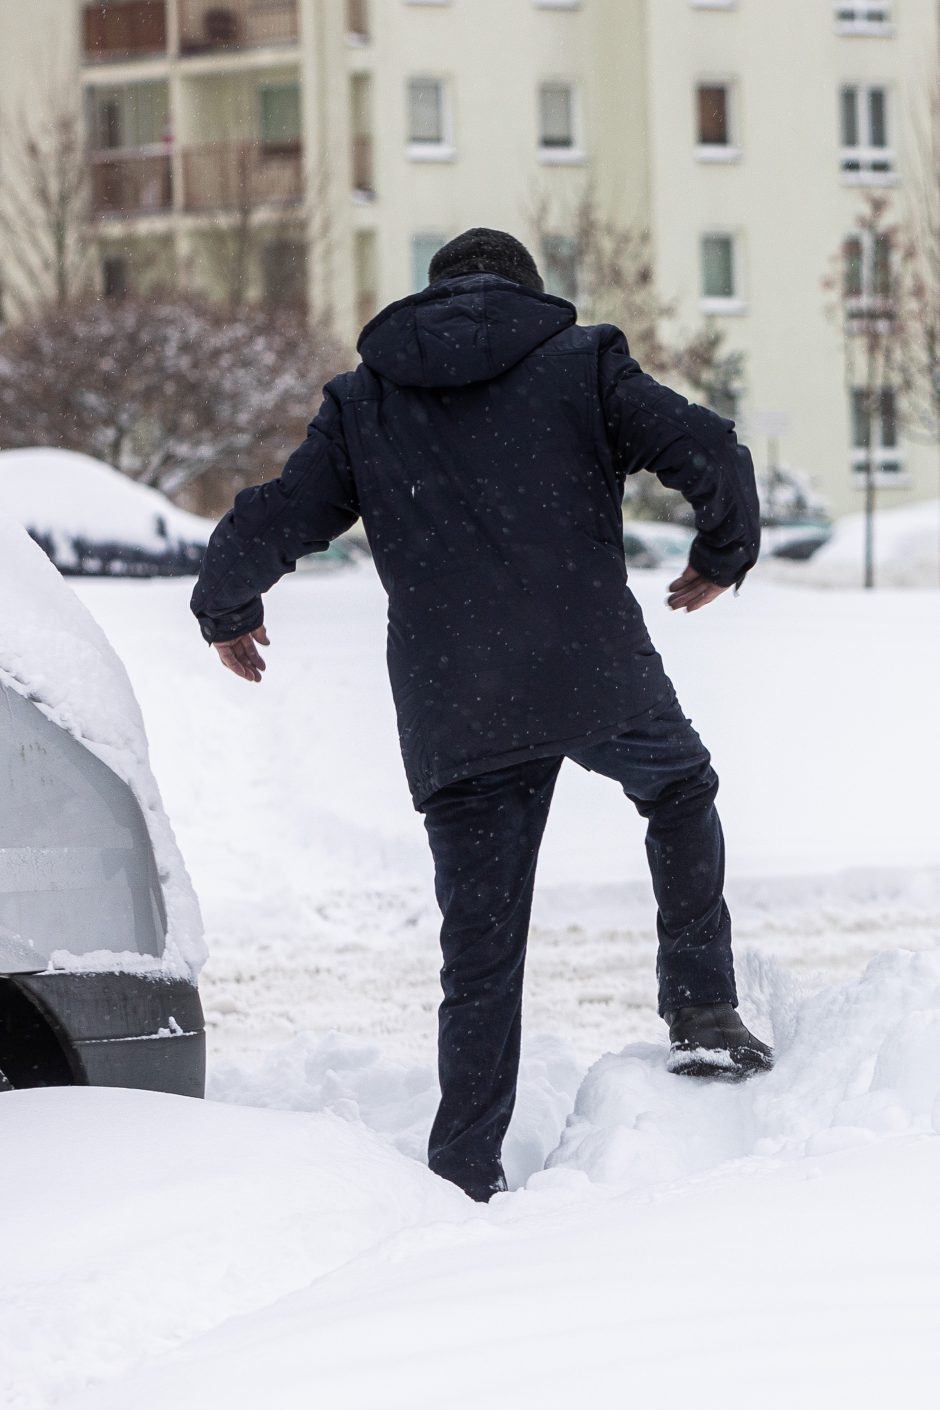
[725, 567]
[231, 624]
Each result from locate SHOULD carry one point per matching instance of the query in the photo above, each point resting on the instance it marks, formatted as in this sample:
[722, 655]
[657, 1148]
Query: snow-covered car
[100, 933]
[90, 519]
[652, 545]
[798, 540]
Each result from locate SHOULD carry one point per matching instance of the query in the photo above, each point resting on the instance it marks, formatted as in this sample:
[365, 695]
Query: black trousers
[485, 834]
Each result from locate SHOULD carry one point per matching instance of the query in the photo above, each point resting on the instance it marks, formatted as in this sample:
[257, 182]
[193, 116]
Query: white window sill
[430, 151]
[361, 197]
[356, 40]
[713, 4]
[900, 480]
[872, 29]
[736, 307]
[869, 178]
[562, 156]
[557, 4]
[705, 152]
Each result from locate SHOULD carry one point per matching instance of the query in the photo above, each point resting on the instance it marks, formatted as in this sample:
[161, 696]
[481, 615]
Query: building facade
[323, 149]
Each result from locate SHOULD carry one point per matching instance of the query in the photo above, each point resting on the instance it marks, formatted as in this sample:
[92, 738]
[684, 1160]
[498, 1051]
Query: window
[864, 19]
[280, 115]
[357, 21]
[360, 112]
[714, 125]
[423, 249]
[284, 272]
[366, 258]
[720, 284]
[866, 275]
[875, 434]
[866, 157]
[428, 120]
[114, 281]
[128, 117]
[557, 123]
[560, 266]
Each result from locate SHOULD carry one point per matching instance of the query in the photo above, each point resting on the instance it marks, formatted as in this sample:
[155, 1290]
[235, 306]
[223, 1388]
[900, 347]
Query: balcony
[207, 27]
[132, 29]
[135, 183]
[236, 176]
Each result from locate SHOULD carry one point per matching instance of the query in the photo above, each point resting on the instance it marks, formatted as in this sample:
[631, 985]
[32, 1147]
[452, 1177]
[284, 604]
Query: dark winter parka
[484, 440]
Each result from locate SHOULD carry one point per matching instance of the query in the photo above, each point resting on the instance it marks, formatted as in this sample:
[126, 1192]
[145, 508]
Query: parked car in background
[647, 544]
[798, 540]
[92, 520]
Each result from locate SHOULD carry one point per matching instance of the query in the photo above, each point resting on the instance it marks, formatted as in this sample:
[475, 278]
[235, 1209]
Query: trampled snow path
[671, 1238]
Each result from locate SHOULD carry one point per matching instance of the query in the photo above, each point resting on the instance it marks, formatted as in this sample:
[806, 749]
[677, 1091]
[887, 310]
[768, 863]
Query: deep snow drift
[668, 1241]
[53, 652]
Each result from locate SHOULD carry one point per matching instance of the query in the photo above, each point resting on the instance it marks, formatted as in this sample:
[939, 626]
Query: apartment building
[328, 147]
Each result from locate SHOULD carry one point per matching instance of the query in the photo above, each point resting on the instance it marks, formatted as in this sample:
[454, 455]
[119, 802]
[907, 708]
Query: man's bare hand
[691, 591]
[242, 656]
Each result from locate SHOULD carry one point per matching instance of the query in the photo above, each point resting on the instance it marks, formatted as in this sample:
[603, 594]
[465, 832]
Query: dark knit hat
[482, 251]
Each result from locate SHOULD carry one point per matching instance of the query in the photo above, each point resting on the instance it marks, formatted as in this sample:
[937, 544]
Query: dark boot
[709, 1040]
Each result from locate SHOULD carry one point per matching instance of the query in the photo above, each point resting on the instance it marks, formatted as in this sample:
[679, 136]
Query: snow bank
[53, 652]
[907, 551]
[64, 496]
[132, 1221]
[779, 1236]
[854, 1063]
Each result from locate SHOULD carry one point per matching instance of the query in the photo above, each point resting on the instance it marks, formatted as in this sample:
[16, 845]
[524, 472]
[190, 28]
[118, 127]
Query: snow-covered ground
[664, 1239]
[906, 550]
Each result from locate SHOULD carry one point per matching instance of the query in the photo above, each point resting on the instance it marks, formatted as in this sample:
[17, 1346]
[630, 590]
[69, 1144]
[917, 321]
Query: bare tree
[45, 207]
[865, 289]
[613, 269]
[175, 391]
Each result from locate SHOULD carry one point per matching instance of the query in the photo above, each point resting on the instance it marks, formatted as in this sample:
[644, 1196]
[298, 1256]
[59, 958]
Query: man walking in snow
[484, 440]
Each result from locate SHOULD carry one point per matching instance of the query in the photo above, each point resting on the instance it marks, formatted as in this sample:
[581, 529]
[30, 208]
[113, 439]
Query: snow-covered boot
[709, 1040]
[5, 1086]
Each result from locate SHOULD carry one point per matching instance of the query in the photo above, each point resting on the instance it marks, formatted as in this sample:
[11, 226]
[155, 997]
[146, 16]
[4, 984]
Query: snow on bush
[65, 499]
[907, 551]
[53, 652]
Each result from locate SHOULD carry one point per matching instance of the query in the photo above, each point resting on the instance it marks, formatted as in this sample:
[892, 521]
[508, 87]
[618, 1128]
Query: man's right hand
[242, 656]
[691, 591]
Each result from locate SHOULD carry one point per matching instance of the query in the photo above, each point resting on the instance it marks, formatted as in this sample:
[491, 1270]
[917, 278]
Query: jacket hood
[461, 330]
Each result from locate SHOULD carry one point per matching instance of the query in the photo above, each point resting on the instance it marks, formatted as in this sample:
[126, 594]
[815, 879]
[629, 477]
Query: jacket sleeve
[273, 524]
[690, 449]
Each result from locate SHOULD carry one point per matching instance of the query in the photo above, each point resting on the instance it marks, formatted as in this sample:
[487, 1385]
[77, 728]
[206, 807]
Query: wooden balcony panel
[131, 185]
[207, 26]
[129, 29]
[241, 175]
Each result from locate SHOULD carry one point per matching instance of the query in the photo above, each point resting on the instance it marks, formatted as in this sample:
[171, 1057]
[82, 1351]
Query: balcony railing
[136, 183]
[240, 175]
[206, 26]
[131, 29]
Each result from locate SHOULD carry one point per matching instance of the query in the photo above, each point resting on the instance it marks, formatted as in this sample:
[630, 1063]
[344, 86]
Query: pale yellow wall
[784, 198]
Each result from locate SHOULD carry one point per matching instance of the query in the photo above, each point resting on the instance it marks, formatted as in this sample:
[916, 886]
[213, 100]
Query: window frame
[546, 265]
[866, 164]
[718, 152]
[280, 144]
[861, 25]
[868, 309]
[881, 454]
[427, 235]
[733, 304]
[444, 148]
[573, 155]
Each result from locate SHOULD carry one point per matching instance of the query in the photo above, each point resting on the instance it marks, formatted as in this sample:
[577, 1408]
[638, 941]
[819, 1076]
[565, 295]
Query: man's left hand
[691, 591]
